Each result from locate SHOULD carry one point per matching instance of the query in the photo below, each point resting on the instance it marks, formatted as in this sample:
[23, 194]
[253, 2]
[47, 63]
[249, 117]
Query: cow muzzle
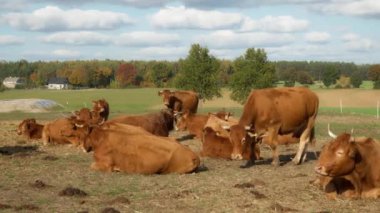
[236, 157]
[321, 170]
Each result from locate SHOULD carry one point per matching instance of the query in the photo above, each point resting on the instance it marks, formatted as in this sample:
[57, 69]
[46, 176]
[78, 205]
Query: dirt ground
[55, 178]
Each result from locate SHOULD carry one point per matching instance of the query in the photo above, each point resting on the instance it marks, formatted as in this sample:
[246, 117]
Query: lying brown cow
[353, 159]
[127, 150]
[220, 147]
[160, 123]
[181, 100]
[52, 132]
[30, 128]
[194, 123]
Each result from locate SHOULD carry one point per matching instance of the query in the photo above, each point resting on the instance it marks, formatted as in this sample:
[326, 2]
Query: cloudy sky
[328, 30]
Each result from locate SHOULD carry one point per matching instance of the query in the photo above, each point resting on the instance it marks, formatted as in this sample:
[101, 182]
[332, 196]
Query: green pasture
[125, 101]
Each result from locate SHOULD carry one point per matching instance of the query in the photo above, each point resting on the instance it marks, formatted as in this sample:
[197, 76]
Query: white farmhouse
[12, 82]
[58, 83]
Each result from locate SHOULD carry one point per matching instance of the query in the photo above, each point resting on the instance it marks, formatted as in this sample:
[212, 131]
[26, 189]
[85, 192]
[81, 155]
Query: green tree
[252, 71]
[160, 74]
[356, 79]
[374, 75]
[199, 72]
[330, 75]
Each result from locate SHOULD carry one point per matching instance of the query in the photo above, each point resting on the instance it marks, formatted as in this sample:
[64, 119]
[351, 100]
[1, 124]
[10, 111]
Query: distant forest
[123, 74]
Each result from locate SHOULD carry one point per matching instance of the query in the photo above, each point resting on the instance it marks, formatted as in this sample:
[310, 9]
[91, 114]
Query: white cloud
[64, 53]
[10, 40]
[226, 39]
[367, 8]
[317, 37]
[354, 42]
[52, 18]
[77, 38]
[187, 18]
[147, 38]
[275, 24]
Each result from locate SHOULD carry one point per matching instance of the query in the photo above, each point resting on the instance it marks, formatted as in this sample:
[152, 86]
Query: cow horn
[79, 125]
[226, 127]
[329, 131]
[252, 134]
[102, 122]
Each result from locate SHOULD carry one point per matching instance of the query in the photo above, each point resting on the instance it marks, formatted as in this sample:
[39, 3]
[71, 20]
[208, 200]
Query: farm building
[58, 83]
[12, 82]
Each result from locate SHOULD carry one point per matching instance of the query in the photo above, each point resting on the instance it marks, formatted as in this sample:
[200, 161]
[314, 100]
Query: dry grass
[34, 176]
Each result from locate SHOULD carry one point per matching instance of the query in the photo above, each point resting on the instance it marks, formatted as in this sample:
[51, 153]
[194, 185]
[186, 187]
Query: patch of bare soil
[39, 184]
[109, 210]
[118, 200]
[71, 191]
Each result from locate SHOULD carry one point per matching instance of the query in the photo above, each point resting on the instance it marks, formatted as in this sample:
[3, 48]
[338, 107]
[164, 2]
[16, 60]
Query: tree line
[199, 71]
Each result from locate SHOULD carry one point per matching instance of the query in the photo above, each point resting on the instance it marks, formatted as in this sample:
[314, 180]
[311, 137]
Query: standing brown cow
[180, 100]
[352, 159]
[279, 111]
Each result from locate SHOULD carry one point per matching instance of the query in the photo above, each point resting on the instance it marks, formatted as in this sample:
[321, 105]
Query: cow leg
[272, 142]
[302, 148]
[355, 180]
[102, 163]
[373, 193]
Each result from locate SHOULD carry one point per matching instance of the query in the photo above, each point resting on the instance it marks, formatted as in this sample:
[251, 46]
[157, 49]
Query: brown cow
[131, 151]
[101, 106]
[279, 111]
[160, 123]
[219, 121]
[52, 132]
[30, 128]
[220, 147]
[181, 100]
[353, 159]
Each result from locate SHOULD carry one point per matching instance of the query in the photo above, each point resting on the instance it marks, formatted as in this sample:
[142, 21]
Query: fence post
[341, 105]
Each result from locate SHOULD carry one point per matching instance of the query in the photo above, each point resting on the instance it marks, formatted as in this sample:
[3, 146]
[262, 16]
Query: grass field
[34, 177]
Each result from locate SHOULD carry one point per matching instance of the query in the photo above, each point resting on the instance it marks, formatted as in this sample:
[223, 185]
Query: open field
[34, 176]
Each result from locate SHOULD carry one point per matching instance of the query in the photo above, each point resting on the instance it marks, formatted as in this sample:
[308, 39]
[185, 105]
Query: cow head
[241, 140]
[78, 130]
[181, 120]
[26, 126]
[169, 100]
[101, 106]
[338, 157]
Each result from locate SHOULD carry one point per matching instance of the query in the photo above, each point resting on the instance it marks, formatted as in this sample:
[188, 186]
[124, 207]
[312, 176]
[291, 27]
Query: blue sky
[318, 30]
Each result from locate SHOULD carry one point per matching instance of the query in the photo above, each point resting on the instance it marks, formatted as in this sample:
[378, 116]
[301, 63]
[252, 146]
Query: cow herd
[141, 144]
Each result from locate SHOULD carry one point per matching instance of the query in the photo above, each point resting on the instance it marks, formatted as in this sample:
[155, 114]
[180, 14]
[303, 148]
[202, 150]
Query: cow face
[76, 131]
[181, 120]
[25, 126]
[169, 100]
[83, 114]
[240, 140]
[101, 106]
[338, 157]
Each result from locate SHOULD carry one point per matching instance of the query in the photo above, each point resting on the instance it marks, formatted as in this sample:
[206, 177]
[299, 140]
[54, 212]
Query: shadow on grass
[14, 150]
[284, 159]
